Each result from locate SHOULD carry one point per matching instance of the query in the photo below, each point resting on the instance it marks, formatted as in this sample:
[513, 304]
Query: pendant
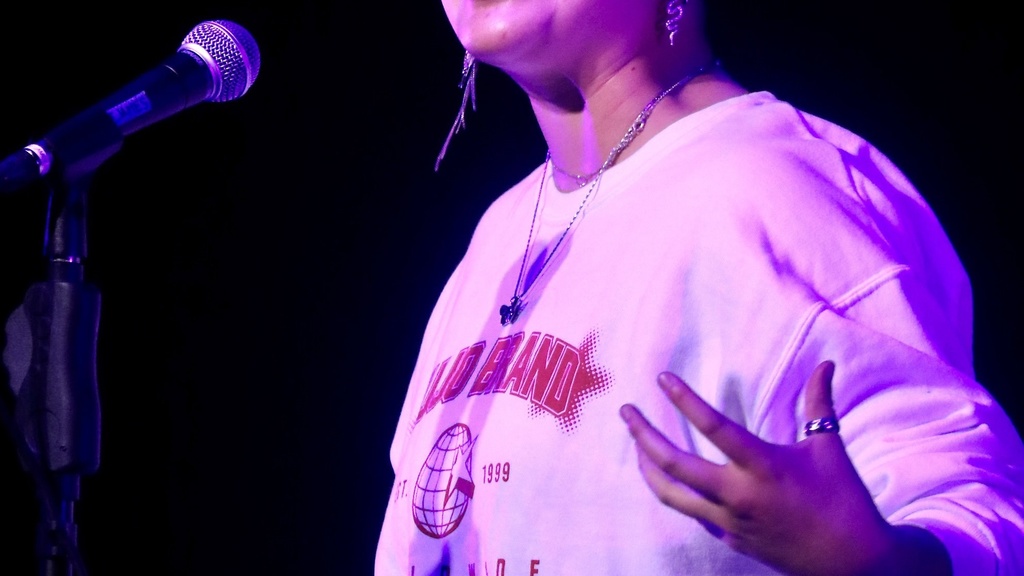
[510, 312]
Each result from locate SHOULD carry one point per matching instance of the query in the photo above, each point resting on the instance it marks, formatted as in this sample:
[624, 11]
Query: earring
[675, 14]
[468, 85]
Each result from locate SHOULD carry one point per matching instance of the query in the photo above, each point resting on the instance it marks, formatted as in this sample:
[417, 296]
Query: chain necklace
[510, 312]
[634, 130]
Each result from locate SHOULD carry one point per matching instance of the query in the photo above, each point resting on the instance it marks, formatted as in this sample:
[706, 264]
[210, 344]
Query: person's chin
[490, 29]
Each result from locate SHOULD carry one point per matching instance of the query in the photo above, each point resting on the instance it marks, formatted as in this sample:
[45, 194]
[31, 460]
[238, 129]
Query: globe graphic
[444, 486]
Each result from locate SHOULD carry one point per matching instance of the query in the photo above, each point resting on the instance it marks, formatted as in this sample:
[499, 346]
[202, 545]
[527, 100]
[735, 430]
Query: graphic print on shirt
[553, 376]
[444, 486]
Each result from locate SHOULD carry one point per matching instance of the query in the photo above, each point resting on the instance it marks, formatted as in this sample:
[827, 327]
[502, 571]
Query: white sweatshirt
[738, 248]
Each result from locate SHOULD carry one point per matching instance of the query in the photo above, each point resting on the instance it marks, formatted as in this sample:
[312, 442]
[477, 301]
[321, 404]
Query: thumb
[818, 395]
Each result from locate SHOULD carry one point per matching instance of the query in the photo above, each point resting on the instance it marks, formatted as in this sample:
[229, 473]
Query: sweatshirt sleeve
[932, 445]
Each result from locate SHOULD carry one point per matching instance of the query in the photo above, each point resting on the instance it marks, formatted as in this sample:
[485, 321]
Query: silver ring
[822, 425]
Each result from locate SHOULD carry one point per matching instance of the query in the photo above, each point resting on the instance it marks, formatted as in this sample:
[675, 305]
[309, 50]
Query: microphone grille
[230, 52]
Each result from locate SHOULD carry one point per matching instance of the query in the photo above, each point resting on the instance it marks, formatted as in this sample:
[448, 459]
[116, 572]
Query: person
[710, 333]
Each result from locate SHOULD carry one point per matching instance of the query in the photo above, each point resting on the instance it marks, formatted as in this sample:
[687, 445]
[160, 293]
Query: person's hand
[800, 508]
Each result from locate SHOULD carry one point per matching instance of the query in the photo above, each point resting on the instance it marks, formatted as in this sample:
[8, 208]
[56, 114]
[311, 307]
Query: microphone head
[230, 53]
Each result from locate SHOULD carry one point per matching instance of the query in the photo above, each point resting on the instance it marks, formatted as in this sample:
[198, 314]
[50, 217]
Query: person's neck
[582, 125]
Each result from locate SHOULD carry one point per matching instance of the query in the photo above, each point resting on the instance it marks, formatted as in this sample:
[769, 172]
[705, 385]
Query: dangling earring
[468, 85]
[675, 14]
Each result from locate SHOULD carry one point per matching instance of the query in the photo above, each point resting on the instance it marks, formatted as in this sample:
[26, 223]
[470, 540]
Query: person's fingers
[674, 464]
[818, 395]
[818, 406]
[681, 497]
[680, 480]
[733, 440]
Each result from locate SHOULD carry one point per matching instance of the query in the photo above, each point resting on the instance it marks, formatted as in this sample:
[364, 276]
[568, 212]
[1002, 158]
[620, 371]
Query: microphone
[217, 61]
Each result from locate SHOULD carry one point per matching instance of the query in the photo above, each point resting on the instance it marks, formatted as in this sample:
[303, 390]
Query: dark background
[267, 264]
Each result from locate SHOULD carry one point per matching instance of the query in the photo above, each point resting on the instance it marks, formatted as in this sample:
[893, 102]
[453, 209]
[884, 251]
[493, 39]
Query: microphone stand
[51, 359]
